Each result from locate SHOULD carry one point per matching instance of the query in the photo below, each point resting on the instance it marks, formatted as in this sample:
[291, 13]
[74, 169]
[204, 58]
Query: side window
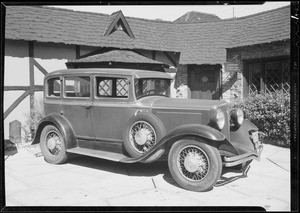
[77, 86]
[112, 87]
[53, 87]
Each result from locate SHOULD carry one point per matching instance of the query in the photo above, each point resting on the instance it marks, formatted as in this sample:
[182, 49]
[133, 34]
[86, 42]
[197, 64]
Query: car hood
[180, 103]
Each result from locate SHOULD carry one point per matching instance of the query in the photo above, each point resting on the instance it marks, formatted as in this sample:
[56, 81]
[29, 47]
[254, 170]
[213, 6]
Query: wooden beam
[42, 69]
[77, 51]
[31, 75]
[170, 58]
[16, 103]
[153, 55]
[11, 88]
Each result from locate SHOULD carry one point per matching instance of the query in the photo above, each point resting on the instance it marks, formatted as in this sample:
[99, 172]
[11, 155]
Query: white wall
[16, 72]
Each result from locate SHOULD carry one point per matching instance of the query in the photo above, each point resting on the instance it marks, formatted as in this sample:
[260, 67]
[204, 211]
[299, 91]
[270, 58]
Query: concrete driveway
[87, 181]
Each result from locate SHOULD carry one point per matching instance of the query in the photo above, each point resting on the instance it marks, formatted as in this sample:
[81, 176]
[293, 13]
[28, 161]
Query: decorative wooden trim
[42, 69]
[31, 75]
[153, 55]
[16, 103]
[77, 51]
[170, 58]
[119, 19]
[11, 88]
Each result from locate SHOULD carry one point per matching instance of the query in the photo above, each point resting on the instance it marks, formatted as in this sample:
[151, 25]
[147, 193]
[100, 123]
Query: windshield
[152, 86]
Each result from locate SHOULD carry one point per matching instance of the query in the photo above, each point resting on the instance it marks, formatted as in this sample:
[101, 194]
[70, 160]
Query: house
[210, 58]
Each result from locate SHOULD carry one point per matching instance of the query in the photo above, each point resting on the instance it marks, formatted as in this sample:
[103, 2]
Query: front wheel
[194, 165]
[52, 145]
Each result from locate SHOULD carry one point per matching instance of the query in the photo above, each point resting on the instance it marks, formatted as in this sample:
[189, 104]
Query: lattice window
[286, 76]
[105, 87]
[122, 87]
[273, 76]
[269, 76]
[254, 77]
[113, 87]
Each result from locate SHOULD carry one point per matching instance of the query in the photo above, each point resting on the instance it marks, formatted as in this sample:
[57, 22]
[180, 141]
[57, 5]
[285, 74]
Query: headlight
[219, 118]
[237, 116]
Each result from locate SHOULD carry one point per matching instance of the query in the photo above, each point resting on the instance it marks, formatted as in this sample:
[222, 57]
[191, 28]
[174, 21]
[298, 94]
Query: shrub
[271, 114]
[32, 120]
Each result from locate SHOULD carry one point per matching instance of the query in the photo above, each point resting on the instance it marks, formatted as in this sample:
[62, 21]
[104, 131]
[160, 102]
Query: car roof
[113, 71]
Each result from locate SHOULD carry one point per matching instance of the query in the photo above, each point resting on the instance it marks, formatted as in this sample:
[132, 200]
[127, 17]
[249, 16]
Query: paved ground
[87, 181]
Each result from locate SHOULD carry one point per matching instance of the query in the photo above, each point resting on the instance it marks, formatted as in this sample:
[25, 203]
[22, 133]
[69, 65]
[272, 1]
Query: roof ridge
[233, 19]
[49, 7]
[255, 14]
[95, 13]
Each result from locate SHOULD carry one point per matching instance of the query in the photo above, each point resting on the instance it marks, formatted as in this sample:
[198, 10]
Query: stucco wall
[16, 72]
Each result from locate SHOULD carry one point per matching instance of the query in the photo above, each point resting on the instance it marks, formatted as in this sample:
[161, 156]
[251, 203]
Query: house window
[269, 76]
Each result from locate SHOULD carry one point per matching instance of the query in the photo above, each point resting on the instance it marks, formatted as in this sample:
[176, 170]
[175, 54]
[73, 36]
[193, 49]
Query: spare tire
[141, 132]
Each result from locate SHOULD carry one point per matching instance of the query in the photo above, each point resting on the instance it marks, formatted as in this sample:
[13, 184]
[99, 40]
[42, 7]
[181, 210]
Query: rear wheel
[52, 145]
[194, 165]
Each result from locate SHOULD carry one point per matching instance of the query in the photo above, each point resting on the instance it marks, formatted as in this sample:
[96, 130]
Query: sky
[172, 12]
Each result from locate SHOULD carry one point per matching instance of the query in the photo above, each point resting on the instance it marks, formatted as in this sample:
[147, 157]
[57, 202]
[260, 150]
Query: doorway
[204, 81]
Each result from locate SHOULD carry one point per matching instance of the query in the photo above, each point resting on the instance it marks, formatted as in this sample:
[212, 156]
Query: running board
[102, 154]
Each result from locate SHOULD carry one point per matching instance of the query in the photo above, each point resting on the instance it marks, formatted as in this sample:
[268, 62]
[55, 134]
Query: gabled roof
[194, 16]
[116, 21]
[124, 56]
[199, 43]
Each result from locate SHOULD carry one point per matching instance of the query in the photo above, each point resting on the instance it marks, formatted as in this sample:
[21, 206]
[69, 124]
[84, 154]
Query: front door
[204, 82]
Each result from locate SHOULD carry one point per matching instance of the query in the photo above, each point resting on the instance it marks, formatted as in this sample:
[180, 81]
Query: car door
[111, 110]
[77, 104]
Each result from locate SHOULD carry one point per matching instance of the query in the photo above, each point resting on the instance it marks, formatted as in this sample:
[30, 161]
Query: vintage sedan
[128, 116]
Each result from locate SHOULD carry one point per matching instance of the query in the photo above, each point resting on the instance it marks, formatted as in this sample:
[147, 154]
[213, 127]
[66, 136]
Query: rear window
[77, 86]
[53, 87]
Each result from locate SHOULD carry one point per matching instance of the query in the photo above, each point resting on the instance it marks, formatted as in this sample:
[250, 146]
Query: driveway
[87, 181]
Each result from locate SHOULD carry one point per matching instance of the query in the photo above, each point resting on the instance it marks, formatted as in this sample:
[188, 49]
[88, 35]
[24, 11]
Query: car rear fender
[62, 124]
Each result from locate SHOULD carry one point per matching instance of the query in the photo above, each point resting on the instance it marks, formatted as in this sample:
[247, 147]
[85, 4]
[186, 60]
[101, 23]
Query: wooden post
[31, 80]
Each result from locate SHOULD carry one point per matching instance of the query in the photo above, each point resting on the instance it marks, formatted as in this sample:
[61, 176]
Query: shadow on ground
[148, 169]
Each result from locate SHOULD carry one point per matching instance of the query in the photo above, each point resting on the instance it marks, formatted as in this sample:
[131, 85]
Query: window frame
[111, 98]
[47, 88]
[76, 97]
[262, 63]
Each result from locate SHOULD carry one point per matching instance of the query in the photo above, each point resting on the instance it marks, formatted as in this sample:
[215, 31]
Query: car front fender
[213, 137]
[62, 124]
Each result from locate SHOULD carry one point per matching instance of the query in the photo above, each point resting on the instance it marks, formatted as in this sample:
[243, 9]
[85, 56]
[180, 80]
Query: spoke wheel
[53, 145]
[194, 165]
[142, 136]
[53, 142]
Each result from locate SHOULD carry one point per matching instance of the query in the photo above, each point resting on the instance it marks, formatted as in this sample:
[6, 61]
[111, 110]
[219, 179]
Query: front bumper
[246, 141]
[239, 159]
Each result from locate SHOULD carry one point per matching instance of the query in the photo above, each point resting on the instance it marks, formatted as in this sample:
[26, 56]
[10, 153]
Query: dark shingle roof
[194, 16]
[116, 56]
[264, 27]
[199, 43]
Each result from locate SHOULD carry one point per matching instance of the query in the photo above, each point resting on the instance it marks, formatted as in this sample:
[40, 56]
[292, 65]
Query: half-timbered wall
[17, 64]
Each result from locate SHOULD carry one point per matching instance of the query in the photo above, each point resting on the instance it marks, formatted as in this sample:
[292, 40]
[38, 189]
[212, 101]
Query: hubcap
[142, 136]
[53, 142]
[193, 163]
